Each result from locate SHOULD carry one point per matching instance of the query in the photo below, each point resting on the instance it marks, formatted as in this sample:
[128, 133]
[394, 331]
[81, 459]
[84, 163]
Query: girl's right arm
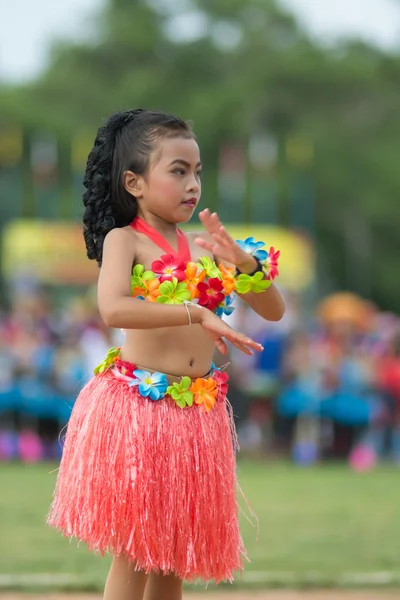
[119, 310]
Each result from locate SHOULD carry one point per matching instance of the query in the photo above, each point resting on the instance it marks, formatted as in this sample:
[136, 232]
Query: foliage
[249, 67]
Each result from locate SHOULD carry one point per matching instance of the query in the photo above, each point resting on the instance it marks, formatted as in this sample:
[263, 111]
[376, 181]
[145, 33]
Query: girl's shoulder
[119, 241]
[117, 233]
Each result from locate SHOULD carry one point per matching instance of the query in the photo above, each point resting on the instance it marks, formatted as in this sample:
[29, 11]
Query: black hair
[125, 142]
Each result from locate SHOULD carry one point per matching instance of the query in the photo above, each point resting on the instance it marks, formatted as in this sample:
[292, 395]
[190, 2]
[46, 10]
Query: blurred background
[296, 108]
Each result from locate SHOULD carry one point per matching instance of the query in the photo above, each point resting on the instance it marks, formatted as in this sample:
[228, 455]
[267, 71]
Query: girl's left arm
[268, 304]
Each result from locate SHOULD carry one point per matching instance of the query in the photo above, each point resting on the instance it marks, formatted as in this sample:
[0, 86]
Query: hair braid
[100, 214]
[125, 142]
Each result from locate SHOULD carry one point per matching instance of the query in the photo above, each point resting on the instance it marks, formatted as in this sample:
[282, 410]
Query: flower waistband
[203, 391]
[171, 281]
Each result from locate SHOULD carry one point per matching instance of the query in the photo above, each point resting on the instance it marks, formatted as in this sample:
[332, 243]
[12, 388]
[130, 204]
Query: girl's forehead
[179, 148]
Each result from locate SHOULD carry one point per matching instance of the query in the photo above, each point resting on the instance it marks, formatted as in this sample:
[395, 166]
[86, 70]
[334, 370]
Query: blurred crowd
[46, 356]
[327, 384]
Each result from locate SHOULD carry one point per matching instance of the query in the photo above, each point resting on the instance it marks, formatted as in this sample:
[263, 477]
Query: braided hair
[125, 142]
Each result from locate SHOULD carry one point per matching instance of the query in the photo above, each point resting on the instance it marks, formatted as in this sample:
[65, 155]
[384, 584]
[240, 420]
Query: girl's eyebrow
[184, 162]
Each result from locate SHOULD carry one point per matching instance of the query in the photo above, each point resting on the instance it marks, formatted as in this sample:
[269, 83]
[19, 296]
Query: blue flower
[153, 385]
[225, 308]
[252, 247]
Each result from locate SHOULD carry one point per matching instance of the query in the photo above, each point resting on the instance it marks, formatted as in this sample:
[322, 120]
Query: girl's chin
[183, 220]
[186, 212]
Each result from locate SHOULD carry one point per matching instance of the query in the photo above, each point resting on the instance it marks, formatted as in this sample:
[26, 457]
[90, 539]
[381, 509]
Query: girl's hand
[217, 329]
[223, 246]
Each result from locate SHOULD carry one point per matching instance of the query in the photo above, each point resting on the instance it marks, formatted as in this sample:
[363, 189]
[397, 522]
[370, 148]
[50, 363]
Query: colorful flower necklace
[175, 279]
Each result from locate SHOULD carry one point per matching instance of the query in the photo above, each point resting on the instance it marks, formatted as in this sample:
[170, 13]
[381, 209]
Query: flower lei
[112, 355]
[171, 281]
[203, 391]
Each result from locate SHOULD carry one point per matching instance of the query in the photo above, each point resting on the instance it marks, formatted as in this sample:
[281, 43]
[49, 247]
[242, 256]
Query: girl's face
[171, 189]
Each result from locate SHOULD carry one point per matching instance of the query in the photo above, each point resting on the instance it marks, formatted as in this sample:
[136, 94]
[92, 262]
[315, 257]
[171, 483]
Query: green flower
[139, 276]
[256, 283]
[180, 392]
[111, 357]
[209, 267]
[173, 292]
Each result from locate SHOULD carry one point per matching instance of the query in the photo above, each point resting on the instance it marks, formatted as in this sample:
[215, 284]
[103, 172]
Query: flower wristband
[259, 269]
[267, 262]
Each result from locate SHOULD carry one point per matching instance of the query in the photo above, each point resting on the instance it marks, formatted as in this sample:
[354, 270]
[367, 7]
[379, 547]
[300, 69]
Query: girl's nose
[193, 185]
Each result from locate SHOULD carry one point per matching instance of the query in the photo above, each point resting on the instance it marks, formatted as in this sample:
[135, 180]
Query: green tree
[248, 67]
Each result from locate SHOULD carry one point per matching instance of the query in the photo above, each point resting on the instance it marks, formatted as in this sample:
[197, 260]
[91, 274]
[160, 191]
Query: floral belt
[203, 391]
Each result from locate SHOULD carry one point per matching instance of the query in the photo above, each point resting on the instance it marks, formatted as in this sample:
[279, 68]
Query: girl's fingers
[225, 236]
[215, 219]
[244, 348]
[214, 226]
[255, 345]
[222, 347]
[239, 339]
[220, 240]
[208, 222]
[199, 241]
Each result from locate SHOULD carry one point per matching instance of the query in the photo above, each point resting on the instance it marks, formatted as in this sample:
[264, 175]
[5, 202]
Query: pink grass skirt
[151, 481]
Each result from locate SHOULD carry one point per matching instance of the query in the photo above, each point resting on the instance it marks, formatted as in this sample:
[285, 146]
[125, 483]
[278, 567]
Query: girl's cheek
[169, 187]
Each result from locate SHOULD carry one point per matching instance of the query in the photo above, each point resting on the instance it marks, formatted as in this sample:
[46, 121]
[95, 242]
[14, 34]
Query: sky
[28, 26]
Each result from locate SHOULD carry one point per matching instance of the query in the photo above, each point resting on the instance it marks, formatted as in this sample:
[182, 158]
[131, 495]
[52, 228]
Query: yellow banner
[53, 252]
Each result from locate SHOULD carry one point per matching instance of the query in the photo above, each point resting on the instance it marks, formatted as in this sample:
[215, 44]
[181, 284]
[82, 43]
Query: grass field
[319, 527]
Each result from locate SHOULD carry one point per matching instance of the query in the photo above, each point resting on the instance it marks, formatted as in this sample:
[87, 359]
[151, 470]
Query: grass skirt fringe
[151, 481]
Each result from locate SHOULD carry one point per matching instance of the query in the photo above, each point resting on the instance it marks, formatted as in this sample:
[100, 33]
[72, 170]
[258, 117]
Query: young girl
[148, 467]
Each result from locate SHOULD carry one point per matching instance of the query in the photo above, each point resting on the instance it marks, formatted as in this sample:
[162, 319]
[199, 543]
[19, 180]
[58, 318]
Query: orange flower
[150, 290]
[205, 392]
[192, 278]
[228, 280]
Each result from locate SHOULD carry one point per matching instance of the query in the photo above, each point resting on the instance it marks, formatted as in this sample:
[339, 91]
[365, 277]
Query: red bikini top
[183, 245]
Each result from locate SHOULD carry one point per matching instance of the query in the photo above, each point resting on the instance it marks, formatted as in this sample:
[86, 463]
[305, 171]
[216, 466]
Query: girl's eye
[198, 174]
[179, 171]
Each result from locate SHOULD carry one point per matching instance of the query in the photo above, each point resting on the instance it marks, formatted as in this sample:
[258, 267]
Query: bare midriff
[184, 350]
[176, 350]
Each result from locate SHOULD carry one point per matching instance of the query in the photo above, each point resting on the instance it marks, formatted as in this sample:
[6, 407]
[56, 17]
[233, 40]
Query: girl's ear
[134, 184]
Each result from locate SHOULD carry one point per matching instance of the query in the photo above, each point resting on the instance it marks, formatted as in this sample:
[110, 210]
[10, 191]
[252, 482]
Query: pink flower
[168, 267]
[211, 293]
[221, 378]
[272, 263]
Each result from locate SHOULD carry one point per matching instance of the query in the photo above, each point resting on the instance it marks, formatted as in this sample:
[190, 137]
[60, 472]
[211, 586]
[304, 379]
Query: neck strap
[183, 245]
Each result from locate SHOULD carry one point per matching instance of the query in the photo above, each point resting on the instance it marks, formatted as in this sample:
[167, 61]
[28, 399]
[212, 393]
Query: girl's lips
[192, 202]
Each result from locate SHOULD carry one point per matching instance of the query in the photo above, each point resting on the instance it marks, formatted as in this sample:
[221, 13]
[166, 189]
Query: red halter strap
[183, 245]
